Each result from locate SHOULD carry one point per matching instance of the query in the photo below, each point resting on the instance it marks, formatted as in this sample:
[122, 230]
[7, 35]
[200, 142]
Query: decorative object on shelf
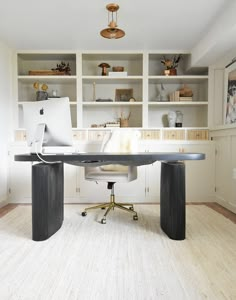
[124, 121]
[174, 96]
[94, 91]
[104, 67]
[113, 124]
[118, 74]
[185, 92]
[118, 69]
[162, 94]
[186, 99]
[54, 94]
[45, 73]
[104, 100]
[171, 118]
[171, 64]
[123, 94]
[112, 31]
[40, 94]
[179, 119]
[132, 99]
[230, 94]
[63, 68]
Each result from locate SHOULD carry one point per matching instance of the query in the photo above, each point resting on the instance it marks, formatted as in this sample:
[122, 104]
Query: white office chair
[117, 141]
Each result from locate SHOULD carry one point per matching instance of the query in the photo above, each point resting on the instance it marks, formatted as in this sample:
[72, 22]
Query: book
[185, 98]
[117, 74]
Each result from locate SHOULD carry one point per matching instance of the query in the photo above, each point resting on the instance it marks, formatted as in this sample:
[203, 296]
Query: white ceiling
[186, 25]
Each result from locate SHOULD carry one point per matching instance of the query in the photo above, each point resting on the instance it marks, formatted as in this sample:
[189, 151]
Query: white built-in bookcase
[86, 84]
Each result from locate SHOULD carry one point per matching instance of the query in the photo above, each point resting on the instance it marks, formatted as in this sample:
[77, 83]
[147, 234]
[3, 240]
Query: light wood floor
[215, 206]
[123, 259]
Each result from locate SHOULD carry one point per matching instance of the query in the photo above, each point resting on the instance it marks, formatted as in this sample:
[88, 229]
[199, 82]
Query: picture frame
[230, 94]
[123, 94]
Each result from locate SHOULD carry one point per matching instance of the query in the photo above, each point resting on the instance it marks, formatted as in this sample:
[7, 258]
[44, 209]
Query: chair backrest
[123, 141]
[120, 141]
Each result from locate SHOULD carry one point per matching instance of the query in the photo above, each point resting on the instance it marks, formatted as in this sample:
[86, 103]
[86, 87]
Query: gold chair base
[111, 205]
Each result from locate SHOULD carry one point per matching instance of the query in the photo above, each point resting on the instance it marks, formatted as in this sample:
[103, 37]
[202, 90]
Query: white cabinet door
[19, 177]
[70, 183]
[200, 174]
[223, 171]
[233, 166]
[153, 172]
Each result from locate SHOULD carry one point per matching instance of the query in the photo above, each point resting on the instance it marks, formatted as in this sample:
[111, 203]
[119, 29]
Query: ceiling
[184, 25]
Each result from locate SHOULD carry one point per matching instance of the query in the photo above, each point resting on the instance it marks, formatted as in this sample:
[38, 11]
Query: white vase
[171, 118]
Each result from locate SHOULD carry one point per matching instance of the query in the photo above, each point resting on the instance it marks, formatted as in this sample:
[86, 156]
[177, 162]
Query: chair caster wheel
[103, 221]
[131, 208]
[103, 207]
[135, 218]
[84, 213]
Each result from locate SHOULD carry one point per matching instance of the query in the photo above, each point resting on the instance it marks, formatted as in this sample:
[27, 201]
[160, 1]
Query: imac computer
[48, 126]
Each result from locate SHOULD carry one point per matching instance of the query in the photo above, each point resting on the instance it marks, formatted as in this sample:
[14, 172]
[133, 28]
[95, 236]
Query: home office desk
[48, 187]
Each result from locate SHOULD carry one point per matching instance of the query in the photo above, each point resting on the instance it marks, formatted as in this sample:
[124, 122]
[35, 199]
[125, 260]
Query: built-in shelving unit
[85, 86]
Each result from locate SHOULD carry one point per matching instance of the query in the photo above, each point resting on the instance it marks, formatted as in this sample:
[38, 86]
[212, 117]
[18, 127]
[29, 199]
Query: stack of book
[112, 124]
[117, 74]
[185, 98]
[174, 96]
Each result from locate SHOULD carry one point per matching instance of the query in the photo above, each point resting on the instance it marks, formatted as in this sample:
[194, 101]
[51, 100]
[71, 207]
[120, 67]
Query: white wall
[5, 117]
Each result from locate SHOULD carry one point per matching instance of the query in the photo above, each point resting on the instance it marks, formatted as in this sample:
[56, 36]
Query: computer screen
[48, 123]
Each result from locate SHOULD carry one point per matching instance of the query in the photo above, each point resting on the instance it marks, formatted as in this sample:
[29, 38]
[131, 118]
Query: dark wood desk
[48, 187]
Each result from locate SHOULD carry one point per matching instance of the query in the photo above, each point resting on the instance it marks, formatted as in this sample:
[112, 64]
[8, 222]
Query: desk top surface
[104, 158]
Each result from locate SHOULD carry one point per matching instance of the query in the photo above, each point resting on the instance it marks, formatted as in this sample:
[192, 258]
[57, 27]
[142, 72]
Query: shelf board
[178, 79]
[52, 78]
[111, 79]
[118, 103]
[178, 103]
[22, 102]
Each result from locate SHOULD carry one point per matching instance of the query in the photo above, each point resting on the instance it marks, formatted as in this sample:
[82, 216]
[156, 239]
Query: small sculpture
[104, 67]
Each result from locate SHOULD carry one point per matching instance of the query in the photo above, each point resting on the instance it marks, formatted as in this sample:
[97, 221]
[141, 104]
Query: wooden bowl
[118, 69]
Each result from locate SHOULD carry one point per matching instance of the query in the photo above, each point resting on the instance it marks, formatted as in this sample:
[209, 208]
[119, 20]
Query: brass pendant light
[112, 32]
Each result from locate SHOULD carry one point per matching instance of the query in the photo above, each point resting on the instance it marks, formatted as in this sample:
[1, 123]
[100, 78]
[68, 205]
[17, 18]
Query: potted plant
[171, 64]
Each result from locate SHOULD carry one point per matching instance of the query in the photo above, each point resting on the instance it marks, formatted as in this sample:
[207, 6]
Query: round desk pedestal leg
[172, 200]
[47, 200]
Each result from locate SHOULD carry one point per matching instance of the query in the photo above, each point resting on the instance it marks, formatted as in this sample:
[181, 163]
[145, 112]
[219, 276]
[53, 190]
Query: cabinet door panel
[200, 174]
[19, 177]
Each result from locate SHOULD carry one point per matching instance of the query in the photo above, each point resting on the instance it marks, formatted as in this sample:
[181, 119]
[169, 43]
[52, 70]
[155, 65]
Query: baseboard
[3, 203]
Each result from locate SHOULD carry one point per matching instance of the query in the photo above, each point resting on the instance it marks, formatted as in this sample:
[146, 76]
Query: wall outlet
[234, 173]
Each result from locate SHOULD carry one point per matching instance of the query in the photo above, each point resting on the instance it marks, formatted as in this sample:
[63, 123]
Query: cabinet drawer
[150, 134]
[20, 135]
[197, 135]
[95, 135]
[79, 135]
[173, 134]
